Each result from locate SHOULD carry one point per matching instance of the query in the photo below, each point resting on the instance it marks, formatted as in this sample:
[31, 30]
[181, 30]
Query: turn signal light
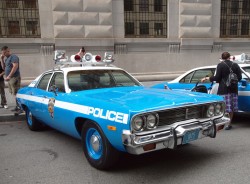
[113, 128]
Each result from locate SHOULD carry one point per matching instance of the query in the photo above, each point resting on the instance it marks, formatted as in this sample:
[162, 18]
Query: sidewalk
[7, 114]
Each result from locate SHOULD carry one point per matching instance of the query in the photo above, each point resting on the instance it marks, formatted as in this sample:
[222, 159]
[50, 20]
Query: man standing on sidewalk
[12, 73]
[2, 84]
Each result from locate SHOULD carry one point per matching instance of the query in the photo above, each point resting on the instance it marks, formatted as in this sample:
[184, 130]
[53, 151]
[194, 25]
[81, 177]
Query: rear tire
[32, 122]
[97, 149]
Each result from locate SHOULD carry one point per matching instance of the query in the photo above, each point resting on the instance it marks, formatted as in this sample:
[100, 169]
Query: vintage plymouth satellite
[189, 80]
[112, 112]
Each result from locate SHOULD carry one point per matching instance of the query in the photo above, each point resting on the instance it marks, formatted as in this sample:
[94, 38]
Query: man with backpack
[227, 75]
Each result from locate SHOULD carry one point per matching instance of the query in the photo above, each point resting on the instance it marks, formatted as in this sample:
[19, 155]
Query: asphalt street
[49, 157]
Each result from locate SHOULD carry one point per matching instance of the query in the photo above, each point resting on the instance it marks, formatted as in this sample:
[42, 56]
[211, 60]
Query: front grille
[171, 116]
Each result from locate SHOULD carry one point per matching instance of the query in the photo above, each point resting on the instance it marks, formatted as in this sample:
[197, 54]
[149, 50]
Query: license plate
[190, 136]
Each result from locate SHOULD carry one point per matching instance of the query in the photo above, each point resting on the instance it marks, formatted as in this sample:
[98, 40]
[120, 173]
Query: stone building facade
[192, 28]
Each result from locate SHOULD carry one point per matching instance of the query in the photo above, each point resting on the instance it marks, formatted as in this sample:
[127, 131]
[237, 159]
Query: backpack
[232, 79]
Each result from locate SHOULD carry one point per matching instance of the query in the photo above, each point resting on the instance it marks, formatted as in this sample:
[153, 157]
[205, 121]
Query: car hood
[144, 98]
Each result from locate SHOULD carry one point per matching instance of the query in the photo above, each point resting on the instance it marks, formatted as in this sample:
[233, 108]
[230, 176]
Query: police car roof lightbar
[87, 60]
[241, 58]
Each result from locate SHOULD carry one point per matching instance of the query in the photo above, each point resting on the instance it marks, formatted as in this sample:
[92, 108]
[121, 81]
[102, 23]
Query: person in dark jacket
[230, 94]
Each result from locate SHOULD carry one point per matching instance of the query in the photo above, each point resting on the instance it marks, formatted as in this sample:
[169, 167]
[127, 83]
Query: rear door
[244, 93]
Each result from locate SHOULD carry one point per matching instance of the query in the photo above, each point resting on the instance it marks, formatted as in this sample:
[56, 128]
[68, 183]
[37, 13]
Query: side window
[76, 81]
[43, 83]
[244, 76]
[105, 80]
[58, 81]
[247, 69]
[122, 80]
[199, 74]
[187, 78]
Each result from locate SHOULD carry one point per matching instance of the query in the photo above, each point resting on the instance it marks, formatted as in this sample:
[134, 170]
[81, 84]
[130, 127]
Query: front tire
[32, 122]
[97, 149]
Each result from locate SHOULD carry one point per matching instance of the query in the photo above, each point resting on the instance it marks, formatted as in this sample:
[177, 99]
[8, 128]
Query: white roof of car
[214, 66]
[69, 69]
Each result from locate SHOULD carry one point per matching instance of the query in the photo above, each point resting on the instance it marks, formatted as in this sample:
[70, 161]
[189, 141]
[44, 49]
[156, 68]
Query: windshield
[95, 79]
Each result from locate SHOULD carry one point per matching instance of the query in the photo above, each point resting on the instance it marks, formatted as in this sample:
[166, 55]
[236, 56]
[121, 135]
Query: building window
[144, 28]
[128, 5]
[234, 7]
[246, 7]
[19, 19]
[234, 26]
[143, 5]
[31, 27]
[13, 27]
[245, 27]
[158, 29]
[129, 28]
[158, 5]
[30, 3]
[11, 4]
[235, 18]
[145, 18]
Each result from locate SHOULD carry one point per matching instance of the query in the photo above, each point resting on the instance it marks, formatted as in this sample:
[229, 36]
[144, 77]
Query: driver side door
[189, 81]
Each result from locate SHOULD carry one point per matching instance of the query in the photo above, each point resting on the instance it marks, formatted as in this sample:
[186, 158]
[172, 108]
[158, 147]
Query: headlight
[151, 121]
[210, 111]
[218, 109]
[138, 123]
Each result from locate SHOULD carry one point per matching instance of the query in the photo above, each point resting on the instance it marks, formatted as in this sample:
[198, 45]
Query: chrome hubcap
[30, 115]
[95, 143]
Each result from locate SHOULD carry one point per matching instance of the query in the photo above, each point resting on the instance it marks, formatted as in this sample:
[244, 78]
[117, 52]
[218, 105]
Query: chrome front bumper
[172, 135]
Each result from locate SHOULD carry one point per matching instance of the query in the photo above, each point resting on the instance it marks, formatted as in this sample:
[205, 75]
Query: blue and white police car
[191, 78]
[112, 112]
